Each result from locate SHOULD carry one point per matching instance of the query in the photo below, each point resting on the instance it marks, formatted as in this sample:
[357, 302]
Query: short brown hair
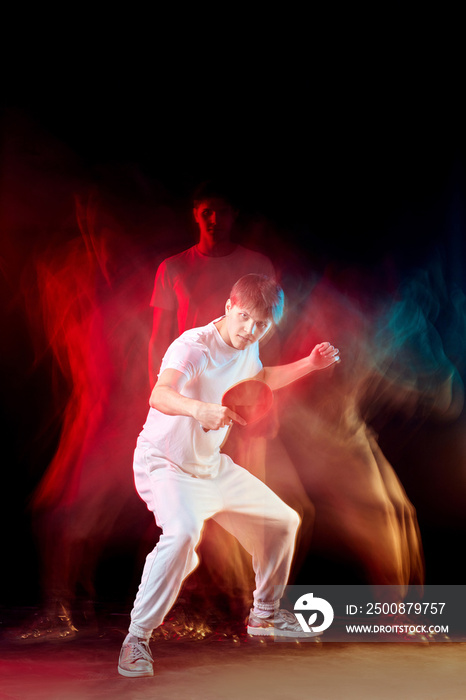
[259, 292]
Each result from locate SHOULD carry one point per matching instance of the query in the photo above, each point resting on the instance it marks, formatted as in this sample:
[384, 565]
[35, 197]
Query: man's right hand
[213, 416]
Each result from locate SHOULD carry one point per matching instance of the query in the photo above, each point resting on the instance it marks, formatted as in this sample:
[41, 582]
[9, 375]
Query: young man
[189, 291]
[185, 479]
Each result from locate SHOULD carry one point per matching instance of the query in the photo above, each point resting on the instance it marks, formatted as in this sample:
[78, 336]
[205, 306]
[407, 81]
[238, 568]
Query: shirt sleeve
[186, 357]
[163, 295]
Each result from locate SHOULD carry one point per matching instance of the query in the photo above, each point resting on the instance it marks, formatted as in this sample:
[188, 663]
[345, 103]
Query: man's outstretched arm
[322, 356]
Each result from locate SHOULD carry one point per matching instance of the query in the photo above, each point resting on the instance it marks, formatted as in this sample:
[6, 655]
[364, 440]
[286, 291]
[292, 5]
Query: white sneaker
[282, 623]
[136, 660]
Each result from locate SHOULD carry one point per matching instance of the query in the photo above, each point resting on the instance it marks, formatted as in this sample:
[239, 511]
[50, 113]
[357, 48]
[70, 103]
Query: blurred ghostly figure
[190, 288]
[393, 359]
[92, 290]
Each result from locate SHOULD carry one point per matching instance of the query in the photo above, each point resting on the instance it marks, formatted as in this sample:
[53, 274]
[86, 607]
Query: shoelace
[140, 651]
[285, 615]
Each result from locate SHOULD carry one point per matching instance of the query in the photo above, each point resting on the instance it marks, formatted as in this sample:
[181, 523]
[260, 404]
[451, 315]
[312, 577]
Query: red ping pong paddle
[251, 399]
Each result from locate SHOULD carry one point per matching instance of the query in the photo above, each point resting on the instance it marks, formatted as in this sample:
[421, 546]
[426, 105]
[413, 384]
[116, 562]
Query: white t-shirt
[196, 286]
[211, 367]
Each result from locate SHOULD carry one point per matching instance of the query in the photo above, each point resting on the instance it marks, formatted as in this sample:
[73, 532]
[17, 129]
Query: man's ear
[195, 215]
[228, 306]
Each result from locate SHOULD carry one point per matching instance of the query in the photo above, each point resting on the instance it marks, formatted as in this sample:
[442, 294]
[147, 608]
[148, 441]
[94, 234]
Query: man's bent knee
[290, 521]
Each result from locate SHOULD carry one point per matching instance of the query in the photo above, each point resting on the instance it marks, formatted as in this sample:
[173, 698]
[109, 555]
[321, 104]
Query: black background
[356, 150]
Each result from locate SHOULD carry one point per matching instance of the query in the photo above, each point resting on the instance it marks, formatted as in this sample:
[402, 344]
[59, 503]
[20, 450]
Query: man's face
[244, 326]
[215, 218]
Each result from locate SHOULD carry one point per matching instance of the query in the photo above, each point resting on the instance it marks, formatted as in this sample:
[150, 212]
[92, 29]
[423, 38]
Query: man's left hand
[324, 355]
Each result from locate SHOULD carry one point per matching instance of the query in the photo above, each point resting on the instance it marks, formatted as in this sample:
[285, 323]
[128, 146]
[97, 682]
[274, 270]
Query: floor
[231, 666]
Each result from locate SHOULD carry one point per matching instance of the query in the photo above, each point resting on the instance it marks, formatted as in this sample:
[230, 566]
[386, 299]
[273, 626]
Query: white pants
[181, 503]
